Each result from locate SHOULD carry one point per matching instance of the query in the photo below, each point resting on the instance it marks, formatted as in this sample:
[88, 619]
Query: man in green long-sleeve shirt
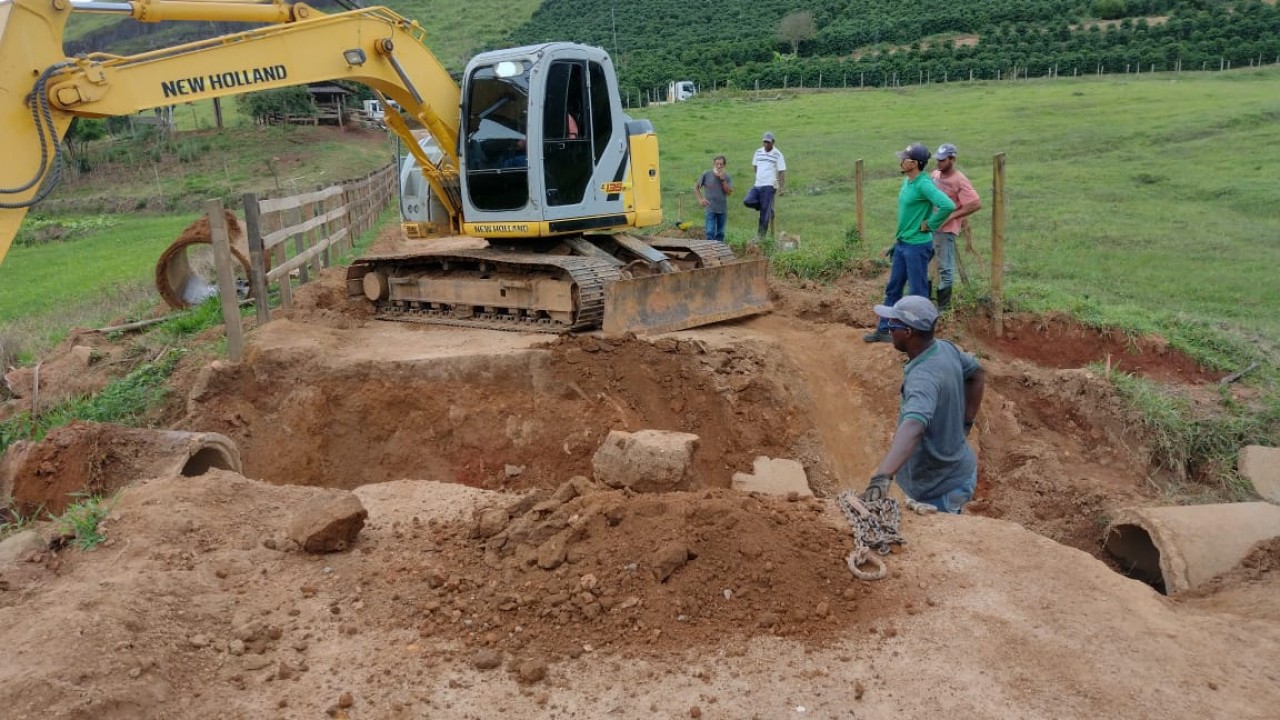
[922, 208]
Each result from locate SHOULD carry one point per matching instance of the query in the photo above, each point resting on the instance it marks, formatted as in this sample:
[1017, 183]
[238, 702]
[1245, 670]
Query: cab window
[567, 132]
[496, 135]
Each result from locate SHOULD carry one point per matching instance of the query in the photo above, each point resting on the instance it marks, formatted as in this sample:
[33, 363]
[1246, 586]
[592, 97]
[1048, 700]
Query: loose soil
[495, 577]
[1056, 341]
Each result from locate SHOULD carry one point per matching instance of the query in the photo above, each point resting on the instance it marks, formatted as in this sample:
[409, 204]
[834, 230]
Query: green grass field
[1146, 203]
[38, 279]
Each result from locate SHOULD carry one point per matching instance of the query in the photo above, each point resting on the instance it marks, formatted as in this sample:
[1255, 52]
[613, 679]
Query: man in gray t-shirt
[712, 188]
[942, 390]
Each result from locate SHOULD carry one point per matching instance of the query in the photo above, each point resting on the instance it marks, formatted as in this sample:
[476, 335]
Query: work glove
[878, 488]
[920, 508]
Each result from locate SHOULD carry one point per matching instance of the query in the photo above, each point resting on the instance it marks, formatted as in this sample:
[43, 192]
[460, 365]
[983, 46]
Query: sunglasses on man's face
[898, 326]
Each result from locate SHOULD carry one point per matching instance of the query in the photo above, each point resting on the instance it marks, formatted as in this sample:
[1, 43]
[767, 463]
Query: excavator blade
[675, 301]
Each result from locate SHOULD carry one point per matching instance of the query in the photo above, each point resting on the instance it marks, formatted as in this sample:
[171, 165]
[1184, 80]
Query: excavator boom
[41, 90]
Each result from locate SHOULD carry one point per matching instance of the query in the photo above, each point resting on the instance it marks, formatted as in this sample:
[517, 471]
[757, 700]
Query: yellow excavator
[535, 157]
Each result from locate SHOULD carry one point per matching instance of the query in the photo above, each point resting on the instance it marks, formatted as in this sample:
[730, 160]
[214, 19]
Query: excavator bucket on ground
[676, 301]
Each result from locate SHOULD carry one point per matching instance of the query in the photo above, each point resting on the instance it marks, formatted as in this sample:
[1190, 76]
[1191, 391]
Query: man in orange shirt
[957, 187]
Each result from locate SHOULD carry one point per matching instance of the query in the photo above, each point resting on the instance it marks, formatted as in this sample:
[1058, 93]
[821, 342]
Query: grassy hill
[835, 42]
[888, 42]
[455, 29]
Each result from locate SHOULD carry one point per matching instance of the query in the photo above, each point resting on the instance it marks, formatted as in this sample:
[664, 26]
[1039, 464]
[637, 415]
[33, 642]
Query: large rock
[646, 460]
[1261, 466]
[20, 546]
[774, 476]
[328, 523]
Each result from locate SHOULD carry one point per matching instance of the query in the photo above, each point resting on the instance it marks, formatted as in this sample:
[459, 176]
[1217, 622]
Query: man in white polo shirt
[771, 173]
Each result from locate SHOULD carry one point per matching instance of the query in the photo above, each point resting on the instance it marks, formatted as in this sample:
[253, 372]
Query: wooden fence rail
[322, 224]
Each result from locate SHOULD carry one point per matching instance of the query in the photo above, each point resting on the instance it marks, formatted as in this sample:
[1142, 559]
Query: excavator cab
[543, 144]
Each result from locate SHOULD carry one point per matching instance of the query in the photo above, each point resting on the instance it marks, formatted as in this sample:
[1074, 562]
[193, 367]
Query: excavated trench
[353, 406]
[328, 398]
[493, 410]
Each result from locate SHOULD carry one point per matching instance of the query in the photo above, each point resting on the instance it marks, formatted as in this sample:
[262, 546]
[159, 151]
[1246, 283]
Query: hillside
[842, 42]
[899, 42]
[455, 29]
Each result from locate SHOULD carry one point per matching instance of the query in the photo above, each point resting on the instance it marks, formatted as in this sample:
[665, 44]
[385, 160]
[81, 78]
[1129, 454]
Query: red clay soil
[472, 416]
[575, 601]
[80, 459]
[638, 574]
[1056, 341]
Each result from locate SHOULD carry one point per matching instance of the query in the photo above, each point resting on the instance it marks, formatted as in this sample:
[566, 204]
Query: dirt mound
[453, 405]
[848, 300]
[197, 607]
[1057, 341]
[641, 573]
[83, 364]
[324, 301]
[1057, 452]
[82, 459]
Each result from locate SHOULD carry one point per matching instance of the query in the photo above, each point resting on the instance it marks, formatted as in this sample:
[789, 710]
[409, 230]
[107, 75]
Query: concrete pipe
[1178, 548]
[186, 274]
[99, 459]
[194, 453]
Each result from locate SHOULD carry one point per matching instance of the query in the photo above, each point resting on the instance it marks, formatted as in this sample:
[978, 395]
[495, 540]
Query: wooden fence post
[323, 259]
[257, 258]
[299, 244]
[279, 253]
[858, 199]
[353, 199]
[307, 212]
[997, 241]
[226, 278]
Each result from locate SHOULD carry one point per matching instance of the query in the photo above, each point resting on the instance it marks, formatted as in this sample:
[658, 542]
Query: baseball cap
[945, 150]
[768, 137]
[914, 311]
[916, 152]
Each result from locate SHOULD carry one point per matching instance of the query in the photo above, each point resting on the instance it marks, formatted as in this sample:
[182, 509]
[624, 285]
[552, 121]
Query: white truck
[376, 112]
[681, 90]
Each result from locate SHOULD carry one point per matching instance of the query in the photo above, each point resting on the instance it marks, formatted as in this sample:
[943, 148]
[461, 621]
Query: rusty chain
[875, 527]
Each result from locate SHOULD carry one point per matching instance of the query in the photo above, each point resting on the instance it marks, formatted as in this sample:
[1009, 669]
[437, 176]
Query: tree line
[885, 42]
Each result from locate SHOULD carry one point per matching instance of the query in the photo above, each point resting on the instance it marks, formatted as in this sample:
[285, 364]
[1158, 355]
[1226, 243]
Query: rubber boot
[944, 298]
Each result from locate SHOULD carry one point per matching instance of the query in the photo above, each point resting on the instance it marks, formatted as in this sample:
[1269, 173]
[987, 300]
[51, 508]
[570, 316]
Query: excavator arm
[41, 90]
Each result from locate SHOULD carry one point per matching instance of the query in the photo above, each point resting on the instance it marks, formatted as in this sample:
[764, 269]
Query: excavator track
[706, 253]
[588, 275]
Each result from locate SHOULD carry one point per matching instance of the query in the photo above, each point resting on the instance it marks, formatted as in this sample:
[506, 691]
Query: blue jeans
[715, 225]
[910, 267]
[761, 198]
[944, 245]
[954, 500]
